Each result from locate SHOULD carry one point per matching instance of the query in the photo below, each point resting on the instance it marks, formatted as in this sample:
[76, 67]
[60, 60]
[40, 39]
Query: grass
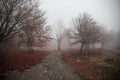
[20, 60]
[94, 64]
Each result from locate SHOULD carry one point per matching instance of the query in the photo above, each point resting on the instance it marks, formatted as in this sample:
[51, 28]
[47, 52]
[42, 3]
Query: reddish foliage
[82, 67]
[20, 60]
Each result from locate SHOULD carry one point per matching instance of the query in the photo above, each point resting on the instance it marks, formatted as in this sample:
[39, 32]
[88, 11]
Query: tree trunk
[59, 47]
[59, 44]
[28, 47]
[69, 43]
[81, 49]
[31, 49]
[30, 43]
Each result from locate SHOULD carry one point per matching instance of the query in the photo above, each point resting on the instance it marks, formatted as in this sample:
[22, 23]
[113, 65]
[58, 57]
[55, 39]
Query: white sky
[104, 11]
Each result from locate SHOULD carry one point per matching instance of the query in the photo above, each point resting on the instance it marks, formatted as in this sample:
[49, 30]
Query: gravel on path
[52, 68]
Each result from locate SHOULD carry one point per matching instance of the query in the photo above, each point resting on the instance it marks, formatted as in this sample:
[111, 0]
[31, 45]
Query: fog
[60, 39]
[51, 14]
[106, 12]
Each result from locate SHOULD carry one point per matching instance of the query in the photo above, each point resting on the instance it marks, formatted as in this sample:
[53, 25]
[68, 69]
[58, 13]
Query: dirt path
[52, 68]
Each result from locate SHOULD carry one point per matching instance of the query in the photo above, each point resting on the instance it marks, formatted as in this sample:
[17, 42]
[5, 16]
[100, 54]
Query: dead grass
[94, 64]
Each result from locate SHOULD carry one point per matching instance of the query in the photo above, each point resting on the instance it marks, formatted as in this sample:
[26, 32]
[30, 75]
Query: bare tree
[35, 22]
[29, 38]
[12, 12]
[86, 30]
[68, 33]
[43, 36]
[95, 32]
[59, 34]
[105, 38]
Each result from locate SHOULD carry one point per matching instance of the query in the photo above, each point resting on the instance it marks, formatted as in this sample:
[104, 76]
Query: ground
[20, 60]
[94, 64]
[51, 68]
[97, 64]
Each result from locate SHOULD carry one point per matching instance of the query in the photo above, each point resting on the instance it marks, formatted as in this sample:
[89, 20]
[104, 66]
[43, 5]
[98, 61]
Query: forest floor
[96, 64]
[19, 61]
[51, 68]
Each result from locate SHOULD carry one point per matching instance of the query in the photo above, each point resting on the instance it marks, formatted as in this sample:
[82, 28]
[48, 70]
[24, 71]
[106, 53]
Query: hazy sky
[104, 11]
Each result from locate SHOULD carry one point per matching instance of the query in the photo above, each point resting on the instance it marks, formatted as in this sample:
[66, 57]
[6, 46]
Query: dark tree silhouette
[86, 30]
[33, 26]
[12, 13]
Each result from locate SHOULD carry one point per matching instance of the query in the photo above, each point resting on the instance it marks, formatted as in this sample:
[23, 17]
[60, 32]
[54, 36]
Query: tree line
[23, 23]
[85, 31]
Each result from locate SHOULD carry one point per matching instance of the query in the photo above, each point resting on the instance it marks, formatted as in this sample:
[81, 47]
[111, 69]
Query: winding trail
[52, 68]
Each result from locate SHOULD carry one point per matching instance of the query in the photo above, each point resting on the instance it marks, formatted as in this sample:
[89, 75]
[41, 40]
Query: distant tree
[103, 39]
[86, 30]
[68, 34]
[58, 31]
[95, 34]
[43, 36]
[39, 37]
[107, 38]
[20, 39]
[12, 13]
